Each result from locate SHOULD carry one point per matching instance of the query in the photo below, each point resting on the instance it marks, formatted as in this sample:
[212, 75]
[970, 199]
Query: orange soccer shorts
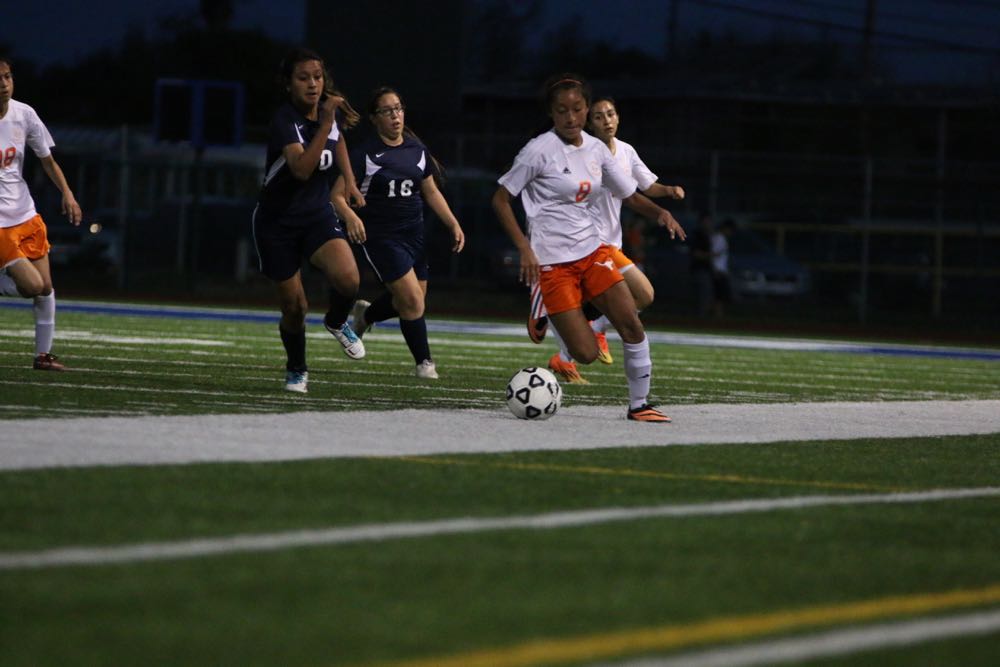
[27, 240]
[622, 262]
[568, 285]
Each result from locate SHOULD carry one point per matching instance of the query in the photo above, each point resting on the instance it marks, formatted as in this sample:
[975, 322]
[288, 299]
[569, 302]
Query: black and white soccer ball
[533, 393]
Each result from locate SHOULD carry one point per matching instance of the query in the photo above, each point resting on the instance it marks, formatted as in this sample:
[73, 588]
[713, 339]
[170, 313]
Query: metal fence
[170, 214]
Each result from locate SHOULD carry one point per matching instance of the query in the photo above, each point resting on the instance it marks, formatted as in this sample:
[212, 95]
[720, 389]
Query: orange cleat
[603, 353]
[566, 370]
[647, 413]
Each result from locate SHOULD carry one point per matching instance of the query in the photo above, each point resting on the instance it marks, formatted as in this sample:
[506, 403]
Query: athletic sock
[340, 306]
[638, 370]
[7, 285]
[601, 324]
[415, 333]
[380, 309]
[563, 350]
[295, 349]
[45, 322]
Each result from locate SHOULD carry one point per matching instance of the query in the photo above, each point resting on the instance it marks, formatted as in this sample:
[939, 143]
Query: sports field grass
[486, 559]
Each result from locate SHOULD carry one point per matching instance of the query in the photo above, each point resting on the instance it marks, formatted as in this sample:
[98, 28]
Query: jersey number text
[584, 190]
[405, 188]
[8, 157]
[325, 160]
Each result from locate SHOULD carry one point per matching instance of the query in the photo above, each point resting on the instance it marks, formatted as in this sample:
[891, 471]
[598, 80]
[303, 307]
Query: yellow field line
[627, 472]
[728, 628]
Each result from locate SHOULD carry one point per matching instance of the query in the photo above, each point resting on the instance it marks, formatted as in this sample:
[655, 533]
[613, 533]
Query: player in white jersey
[24, 245]
[555, 175]
[603, 123]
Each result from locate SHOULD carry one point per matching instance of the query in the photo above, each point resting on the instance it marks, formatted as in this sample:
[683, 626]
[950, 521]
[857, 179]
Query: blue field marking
[484, 328]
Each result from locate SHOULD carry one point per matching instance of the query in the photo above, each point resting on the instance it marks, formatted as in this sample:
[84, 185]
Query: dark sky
[921, 40]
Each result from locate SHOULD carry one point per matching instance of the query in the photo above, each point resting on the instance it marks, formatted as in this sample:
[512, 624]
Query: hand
[355, 229]
[674, 227]
[71, 209]
[354, 197]
[676, 192]
[327, 107]
[459, 238]
[529, 267]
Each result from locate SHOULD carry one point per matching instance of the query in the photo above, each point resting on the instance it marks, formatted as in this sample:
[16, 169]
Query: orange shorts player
[567, 286]
[558, 175]
[24, 245]
[29, 240]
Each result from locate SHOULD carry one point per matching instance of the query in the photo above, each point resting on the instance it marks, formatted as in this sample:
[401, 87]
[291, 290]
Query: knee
[33, 286]
[410, 306]
[348, 285]
[585, 357]
[293, 311]
[644, 298]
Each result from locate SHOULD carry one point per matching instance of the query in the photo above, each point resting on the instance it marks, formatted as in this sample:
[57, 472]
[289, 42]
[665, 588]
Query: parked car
[90, 246]
[756, 270]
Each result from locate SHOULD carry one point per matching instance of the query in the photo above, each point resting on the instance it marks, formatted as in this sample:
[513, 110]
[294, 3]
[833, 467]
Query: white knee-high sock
[638, 370]
[7, 285]
[45, 322]
[563, 350]
[601, 324]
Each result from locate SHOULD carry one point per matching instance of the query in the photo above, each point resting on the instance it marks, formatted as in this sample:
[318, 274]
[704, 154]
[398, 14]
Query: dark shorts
[392, 258]
[282, 244]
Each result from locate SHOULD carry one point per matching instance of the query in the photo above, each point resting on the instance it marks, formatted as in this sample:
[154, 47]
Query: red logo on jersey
[584, 190]
[8, 157]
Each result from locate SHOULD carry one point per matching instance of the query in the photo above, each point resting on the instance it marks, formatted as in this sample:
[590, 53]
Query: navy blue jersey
[390, 178]
[282, 194]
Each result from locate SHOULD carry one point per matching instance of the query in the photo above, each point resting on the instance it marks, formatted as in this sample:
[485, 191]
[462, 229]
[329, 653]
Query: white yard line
[833, 643]
[153, 551]
[155, 440]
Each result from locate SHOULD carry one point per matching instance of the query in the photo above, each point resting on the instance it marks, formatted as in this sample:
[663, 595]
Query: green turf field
[762, 554]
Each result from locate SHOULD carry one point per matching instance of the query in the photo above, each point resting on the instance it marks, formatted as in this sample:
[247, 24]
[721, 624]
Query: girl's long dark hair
[379, 93]
[301, 54]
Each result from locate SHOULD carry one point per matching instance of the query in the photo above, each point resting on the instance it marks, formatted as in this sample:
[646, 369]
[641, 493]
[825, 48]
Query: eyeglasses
[391, 111]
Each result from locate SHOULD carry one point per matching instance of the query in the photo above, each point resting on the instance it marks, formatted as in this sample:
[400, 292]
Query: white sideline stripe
[833, 643]
[180, 439]
[150, 551]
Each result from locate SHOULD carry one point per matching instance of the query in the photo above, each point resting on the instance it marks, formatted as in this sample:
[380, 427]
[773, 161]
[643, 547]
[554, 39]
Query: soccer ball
[533, 393]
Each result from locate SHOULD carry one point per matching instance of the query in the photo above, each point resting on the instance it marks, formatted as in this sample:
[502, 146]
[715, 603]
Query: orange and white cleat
[538, 320]
[48, 362]
[647, 413]
[603, 353]
[566, 370]
[537, 328]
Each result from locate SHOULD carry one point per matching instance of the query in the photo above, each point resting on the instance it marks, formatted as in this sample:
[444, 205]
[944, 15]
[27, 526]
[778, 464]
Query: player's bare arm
[70, 207]
[505, 213]
[355, 227]
[353, 194]
[438, 204]
[642, 205]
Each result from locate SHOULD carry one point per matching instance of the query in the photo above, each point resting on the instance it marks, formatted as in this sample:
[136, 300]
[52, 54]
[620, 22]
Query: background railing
[876, 235]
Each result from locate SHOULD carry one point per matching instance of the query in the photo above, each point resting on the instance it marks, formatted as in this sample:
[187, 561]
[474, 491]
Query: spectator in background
[710, 266]
[701, 264]
[722, 288]
[24, 245]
